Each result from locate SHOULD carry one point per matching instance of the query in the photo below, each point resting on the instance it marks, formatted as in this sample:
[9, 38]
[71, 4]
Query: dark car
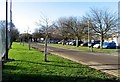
[84, 44]
[74, 42]
[92, 43]
[41, 41]
[54, 41]
[63, 42]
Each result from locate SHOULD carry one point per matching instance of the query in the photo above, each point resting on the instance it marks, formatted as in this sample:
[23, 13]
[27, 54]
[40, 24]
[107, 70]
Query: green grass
[29, 66]
[82, 48]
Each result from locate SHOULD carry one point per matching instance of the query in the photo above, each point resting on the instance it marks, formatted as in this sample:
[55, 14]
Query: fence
[3, 38]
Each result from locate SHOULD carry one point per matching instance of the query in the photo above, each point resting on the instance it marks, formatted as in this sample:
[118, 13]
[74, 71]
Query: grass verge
[29, 66]
[82, 48]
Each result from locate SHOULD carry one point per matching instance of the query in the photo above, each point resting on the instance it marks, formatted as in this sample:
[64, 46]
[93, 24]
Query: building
[116, 38]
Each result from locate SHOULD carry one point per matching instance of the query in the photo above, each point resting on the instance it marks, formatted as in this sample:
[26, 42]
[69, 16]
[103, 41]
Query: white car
[96, 46]
[70, 43]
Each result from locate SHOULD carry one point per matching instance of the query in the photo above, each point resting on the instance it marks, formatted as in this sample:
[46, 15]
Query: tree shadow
[11, 67]
[50, 78]
[103, 64]
[24, 48]
[9, 76]
[62, 62]
[115, 68]
[111, 69]
[55, 64]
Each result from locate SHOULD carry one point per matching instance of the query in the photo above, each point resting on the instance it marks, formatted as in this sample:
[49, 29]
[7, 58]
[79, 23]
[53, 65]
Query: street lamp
[89, 44]
[11, 24]
[6, 56]
[88, 35]
[28, 38]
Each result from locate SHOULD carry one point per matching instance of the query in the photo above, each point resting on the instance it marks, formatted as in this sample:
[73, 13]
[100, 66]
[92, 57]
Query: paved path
[106, 62]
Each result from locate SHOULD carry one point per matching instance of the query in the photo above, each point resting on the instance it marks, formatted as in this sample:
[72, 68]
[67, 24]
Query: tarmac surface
[105, 62]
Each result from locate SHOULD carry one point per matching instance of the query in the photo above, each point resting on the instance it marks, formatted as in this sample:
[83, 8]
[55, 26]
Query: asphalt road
[106, 62]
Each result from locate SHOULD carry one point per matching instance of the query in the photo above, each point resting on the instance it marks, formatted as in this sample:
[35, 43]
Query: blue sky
[66, 0]
[26, 13]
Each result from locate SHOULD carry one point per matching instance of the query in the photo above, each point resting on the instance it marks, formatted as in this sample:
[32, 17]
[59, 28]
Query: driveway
[106, 62]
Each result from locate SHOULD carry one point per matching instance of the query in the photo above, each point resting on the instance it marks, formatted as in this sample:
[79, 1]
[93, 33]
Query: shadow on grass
[9, 76]
[49, 64]
[104, 64]
[11, 67]
[22, 49]
[50, 78]
[63, 62]
[115, 68]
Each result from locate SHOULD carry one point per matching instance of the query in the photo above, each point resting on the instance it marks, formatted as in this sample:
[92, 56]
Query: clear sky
[27, 12]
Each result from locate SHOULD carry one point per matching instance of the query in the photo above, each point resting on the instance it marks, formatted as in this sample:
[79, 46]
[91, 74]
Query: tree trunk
[29, 43]
[45, 49]
[11, 43]
[77, 38]
[101, 40]
[63, 42]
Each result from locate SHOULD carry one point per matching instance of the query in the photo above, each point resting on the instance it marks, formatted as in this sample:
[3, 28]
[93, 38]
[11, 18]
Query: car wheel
[108, 47]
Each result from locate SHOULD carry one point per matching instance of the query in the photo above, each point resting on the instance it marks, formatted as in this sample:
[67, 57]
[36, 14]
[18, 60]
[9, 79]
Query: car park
[110, 45]
[92, 43]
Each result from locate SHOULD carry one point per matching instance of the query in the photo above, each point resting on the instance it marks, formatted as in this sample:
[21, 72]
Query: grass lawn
[29, 66]
[82, 48]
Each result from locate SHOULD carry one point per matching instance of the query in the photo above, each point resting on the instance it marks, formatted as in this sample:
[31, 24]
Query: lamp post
[11, 25]
[89, 41]
[88, 35]
[28, 38]
[6, 56]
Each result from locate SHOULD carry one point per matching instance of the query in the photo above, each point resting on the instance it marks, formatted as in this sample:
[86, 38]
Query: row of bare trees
[100, 22]
[72, 28]
[96, 22]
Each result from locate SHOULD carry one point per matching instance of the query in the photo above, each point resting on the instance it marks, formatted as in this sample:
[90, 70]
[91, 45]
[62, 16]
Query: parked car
[60, 42]
[96, 46]
[41, 41]
[84, 44]
[92, 43]
[111, 45]
[54, 41]
[68, 41]
[74, 42]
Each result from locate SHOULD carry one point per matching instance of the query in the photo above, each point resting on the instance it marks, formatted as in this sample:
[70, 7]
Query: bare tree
[87, 29]
[62, 29]
[102, 22]
[72, 27]
[45, 24]
[14, 34]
